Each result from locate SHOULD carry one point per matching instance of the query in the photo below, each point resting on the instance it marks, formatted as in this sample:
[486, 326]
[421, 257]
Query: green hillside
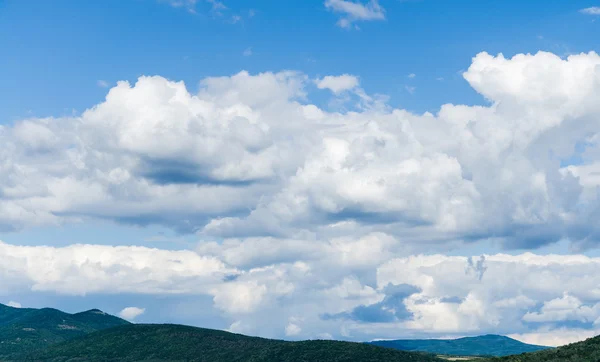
[488, 345]
[23, 330]
[183, 343]
[586, 351]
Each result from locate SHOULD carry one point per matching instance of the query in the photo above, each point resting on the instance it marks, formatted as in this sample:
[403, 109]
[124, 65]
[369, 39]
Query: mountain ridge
[33, 329]
[484, 345]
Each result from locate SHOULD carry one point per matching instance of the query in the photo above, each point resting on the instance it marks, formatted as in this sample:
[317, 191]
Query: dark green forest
[183, 343]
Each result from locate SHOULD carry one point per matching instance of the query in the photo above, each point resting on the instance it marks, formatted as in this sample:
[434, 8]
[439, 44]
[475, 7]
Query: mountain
[25, 329]
[182, 343]
[586, 351]
[488, 345]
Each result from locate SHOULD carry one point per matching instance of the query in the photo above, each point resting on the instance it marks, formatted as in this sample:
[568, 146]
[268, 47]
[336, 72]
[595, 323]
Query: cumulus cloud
[235, 162]
[393, 296]
[292, 330]
[390, 309]
[353, 11]
[337, 84]
[566, 308]
[88, 269]
[131, 313]
[452, 301]
[313, 212]
[556, 337]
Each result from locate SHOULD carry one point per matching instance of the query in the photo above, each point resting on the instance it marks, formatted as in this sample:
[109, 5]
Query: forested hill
[183, 343]
[26, 329]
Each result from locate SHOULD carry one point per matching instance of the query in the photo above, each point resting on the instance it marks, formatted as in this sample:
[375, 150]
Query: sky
[305, 169]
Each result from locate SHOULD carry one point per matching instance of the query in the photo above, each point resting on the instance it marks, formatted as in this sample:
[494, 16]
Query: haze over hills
[26, 329]
[487, 345]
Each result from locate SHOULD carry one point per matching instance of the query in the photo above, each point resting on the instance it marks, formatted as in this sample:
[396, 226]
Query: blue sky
[55, 52]
[296, 171]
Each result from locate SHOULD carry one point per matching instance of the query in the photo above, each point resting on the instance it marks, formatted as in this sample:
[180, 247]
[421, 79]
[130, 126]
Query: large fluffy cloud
[248, 155]
[318, 210]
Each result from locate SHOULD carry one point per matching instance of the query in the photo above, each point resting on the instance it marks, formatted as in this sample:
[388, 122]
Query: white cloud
[102, 83]
[318, 210]
[355, 11]
[216, 7]
[338, 84]
[229, 166]
[566, 308]
[88, 269]
[292, 330]
[240, 297]
[375, 163]
[190, 5]
[412, 75]
[594, 10]
[506, 294]
[444, 298]
[131, 313]
[556, 337]
[14, 304]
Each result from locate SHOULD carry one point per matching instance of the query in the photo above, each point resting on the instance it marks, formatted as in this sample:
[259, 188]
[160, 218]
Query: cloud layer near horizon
[320, 209]
[547, 299]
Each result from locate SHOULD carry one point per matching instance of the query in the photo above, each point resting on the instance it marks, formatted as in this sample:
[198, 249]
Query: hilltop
[27, 329]
[487, 345]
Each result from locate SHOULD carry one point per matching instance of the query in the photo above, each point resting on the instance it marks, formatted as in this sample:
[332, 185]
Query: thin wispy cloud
[216, 7]
[355, 11]
[190, 5]
[14, 304]
[594, 10]
[102, 83]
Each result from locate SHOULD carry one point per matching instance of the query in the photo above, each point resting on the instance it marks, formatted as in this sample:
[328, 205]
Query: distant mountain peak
[94, 311]
[488, 344]
[28, 329]
[489, 336]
